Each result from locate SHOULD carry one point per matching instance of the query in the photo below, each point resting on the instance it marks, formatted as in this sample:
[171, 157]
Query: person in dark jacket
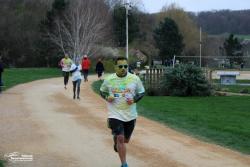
[99, 68]
[1, 71]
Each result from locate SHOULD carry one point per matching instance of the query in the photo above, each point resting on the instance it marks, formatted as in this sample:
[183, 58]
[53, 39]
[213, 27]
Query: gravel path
[41, 119]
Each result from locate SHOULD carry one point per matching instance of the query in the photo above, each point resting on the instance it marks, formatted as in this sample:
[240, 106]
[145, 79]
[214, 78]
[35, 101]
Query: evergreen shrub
[186, 80]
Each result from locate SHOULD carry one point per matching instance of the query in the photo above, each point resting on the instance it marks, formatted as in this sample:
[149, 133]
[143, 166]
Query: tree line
[224, 21]
[38, 33]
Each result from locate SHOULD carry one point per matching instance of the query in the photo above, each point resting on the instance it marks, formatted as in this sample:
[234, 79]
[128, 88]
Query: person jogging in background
[85, 67]
[1, 71]
[99, 68]
[76, 79]
[122, 90]
[66, 63]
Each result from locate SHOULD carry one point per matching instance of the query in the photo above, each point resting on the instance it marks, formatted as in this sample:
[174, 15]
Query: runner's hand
[110, 99]
[130, 101]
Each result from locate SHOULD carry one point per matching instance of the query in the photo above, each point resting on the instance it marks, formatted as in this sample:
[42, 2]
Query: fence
[152, 78]
[208, 73]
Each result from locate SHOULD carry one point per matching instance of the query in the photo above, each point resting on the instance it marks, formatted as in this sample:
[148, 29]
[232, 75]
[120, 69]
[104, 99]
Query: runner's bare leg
[121, 147]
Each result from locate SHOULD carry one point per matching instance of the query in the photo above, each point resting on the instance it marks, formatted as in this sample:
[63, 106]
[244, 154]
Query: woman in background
[76, 79]
[66, 63]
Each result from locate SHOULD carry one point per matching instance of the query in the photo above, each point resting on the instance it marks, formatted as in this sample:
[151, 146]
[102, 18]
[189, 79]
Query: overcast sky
[152, 6]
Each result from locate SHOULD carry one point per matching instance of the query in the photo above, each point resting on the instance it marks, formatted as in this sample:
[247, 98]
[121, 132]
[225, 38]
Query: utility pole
[127, 5]
[200, 47]
[174, 61]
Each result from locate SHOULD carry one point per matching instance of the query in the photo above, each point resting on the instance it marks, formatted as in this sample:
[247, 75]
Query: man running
[122, 90]
[66, 63]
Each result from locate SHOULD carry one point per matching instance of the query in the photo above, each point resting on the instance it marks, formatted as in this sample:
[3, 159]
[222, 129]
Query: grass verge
[233, 88]
[238, 88]
[219, 120]
[2, 163]
[242, 81]
[15, 76]
[96, 86]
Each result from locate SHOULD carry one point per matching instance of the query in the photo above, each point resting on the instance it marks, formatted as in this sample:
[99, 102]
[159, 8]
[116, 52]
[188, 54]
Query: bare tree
[112, 3]
[82, 29]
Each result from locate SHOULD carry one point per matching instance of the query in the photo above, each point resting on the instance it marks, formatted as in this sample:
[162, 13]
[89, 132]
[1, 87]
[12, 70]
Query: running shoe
[124, 165]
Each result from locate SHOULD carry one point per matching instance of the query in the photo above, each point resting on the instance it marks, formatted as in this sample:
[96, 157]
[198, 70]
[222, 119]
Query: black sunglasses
[125, 66]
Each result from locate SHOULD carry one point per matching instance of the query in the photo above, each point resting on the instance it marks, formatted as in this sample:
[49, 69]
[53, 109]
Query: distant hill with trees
[224, 21]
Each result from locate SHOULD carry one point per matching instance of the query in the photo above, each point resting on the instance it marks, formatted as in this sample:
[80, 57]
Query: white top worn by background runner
[122, 88]
[77, 74]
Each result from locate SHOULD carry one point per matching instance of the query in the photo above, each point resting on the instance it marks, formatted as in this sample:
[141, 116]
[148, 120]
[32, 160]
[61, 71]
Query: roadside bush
[109, 66]
[224, 89]
[245, 90]
[186, 80]
[217, 88]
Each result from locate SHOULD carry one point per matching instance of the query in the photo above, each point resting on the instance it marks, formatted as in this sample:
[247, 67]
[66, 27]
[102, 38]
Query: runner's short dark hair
[120, 58]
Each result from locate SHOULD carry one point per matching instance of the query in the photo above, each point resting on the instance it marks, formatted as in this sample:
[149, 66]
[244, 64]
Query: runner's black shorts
[119, 127]
[65, 73]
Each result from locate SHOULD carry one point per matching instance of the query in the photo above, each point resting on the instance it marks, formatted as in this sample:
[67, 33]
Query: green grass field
[226, 35]
[14, 76]
[237, 81]
[220, 120]
[243, 36]
[233, 88]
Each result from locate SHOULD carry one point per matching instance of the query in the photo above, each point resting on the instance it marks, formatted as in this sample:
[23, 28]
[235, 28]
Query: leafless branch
[82, 28]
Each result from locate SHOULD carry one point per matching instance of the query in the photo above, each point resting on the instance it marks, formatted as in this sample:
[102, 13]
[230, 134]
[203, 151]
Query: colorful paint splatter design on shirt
[122, 89]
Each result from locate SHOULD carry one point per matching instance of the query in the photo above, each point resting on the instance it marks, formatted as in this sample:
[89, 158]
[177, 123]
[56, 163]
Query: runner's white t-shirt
[122, 88]
[77, 74]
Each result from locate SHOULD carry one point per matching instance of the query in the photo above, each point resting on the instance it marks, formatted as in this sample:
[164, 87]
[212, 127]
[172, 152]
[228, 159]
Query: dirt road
[41, 119]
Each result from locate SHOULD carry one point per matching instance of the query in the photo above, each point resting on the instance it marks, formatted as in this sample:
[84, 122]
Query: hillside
[223, 21]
